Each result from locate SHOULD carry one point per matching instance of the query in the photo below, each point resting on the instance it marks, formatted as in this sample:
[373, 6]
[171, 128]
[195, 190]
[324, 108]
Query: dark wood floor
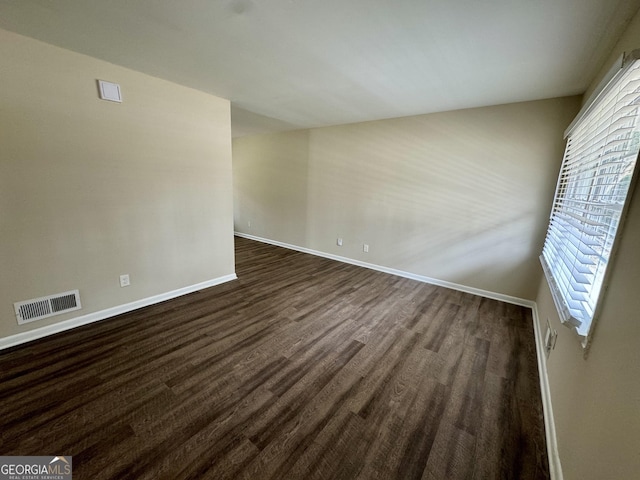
[304, 368]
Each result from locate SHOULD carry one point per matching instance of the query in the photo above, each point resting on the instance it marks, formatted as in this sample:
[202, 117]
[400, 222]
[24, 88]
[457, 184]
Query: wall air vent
[43, 307]
[109, 91]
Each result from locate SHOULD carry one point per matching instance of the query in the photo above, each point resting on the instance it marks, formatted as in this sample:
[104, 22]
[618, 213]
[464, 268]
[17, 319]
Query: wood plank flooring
[303, 368]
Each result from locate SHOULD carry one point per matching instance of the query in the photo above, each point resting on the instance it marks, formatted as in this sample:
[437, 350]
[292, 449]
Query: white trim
[400, 273]
[20, 338]
[555, 468]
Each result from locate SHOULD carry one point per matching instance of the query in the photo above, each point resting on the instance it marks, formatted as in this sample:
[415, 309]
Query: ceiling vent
[43, 307]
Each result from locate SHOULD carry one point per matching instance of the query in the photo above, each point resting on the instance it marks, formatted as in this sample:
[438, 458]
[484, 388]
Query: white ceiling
[288, 64]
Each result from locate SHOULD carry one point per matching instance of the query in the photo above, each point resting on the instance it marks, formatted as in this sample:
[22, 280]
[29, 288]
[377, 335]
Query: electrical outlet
[365, 248]
[339, 242]
[124, 280]
[249, 224]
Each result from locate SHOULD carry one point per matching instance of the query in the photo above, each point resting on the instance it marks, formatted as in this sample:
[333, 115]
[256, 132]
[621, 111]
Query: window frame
[610, 82]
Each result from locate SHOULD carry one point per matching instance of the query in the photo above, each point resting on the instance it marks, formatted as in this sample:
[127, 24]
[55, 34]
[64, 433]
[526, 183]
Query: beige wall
[91, 189]
[461, 196]
[596, 401]
[270, 185]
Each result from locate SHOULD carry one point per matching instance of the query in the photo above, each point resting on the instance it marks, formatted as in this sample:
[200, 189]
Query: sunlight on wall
[461, 196]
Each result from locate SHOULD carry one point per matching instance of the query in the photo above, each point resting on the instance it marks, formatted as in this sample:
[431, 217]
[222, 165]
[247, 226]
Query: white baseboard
[400, 273]
[41, 332]
[555, 468]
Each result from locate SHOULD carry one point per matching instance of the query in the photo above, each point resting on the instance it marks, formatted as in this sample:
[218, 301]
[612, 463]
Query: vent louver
[43, 307]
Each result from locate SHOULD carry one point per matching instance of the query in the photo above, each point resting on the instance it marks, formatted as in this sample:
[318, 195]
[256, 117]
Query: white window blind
[593, 185]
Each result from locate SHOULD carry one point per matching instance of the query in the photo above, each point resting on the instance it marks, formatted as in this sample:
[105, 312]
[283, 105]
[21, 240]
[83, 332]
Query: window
[591, 196]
